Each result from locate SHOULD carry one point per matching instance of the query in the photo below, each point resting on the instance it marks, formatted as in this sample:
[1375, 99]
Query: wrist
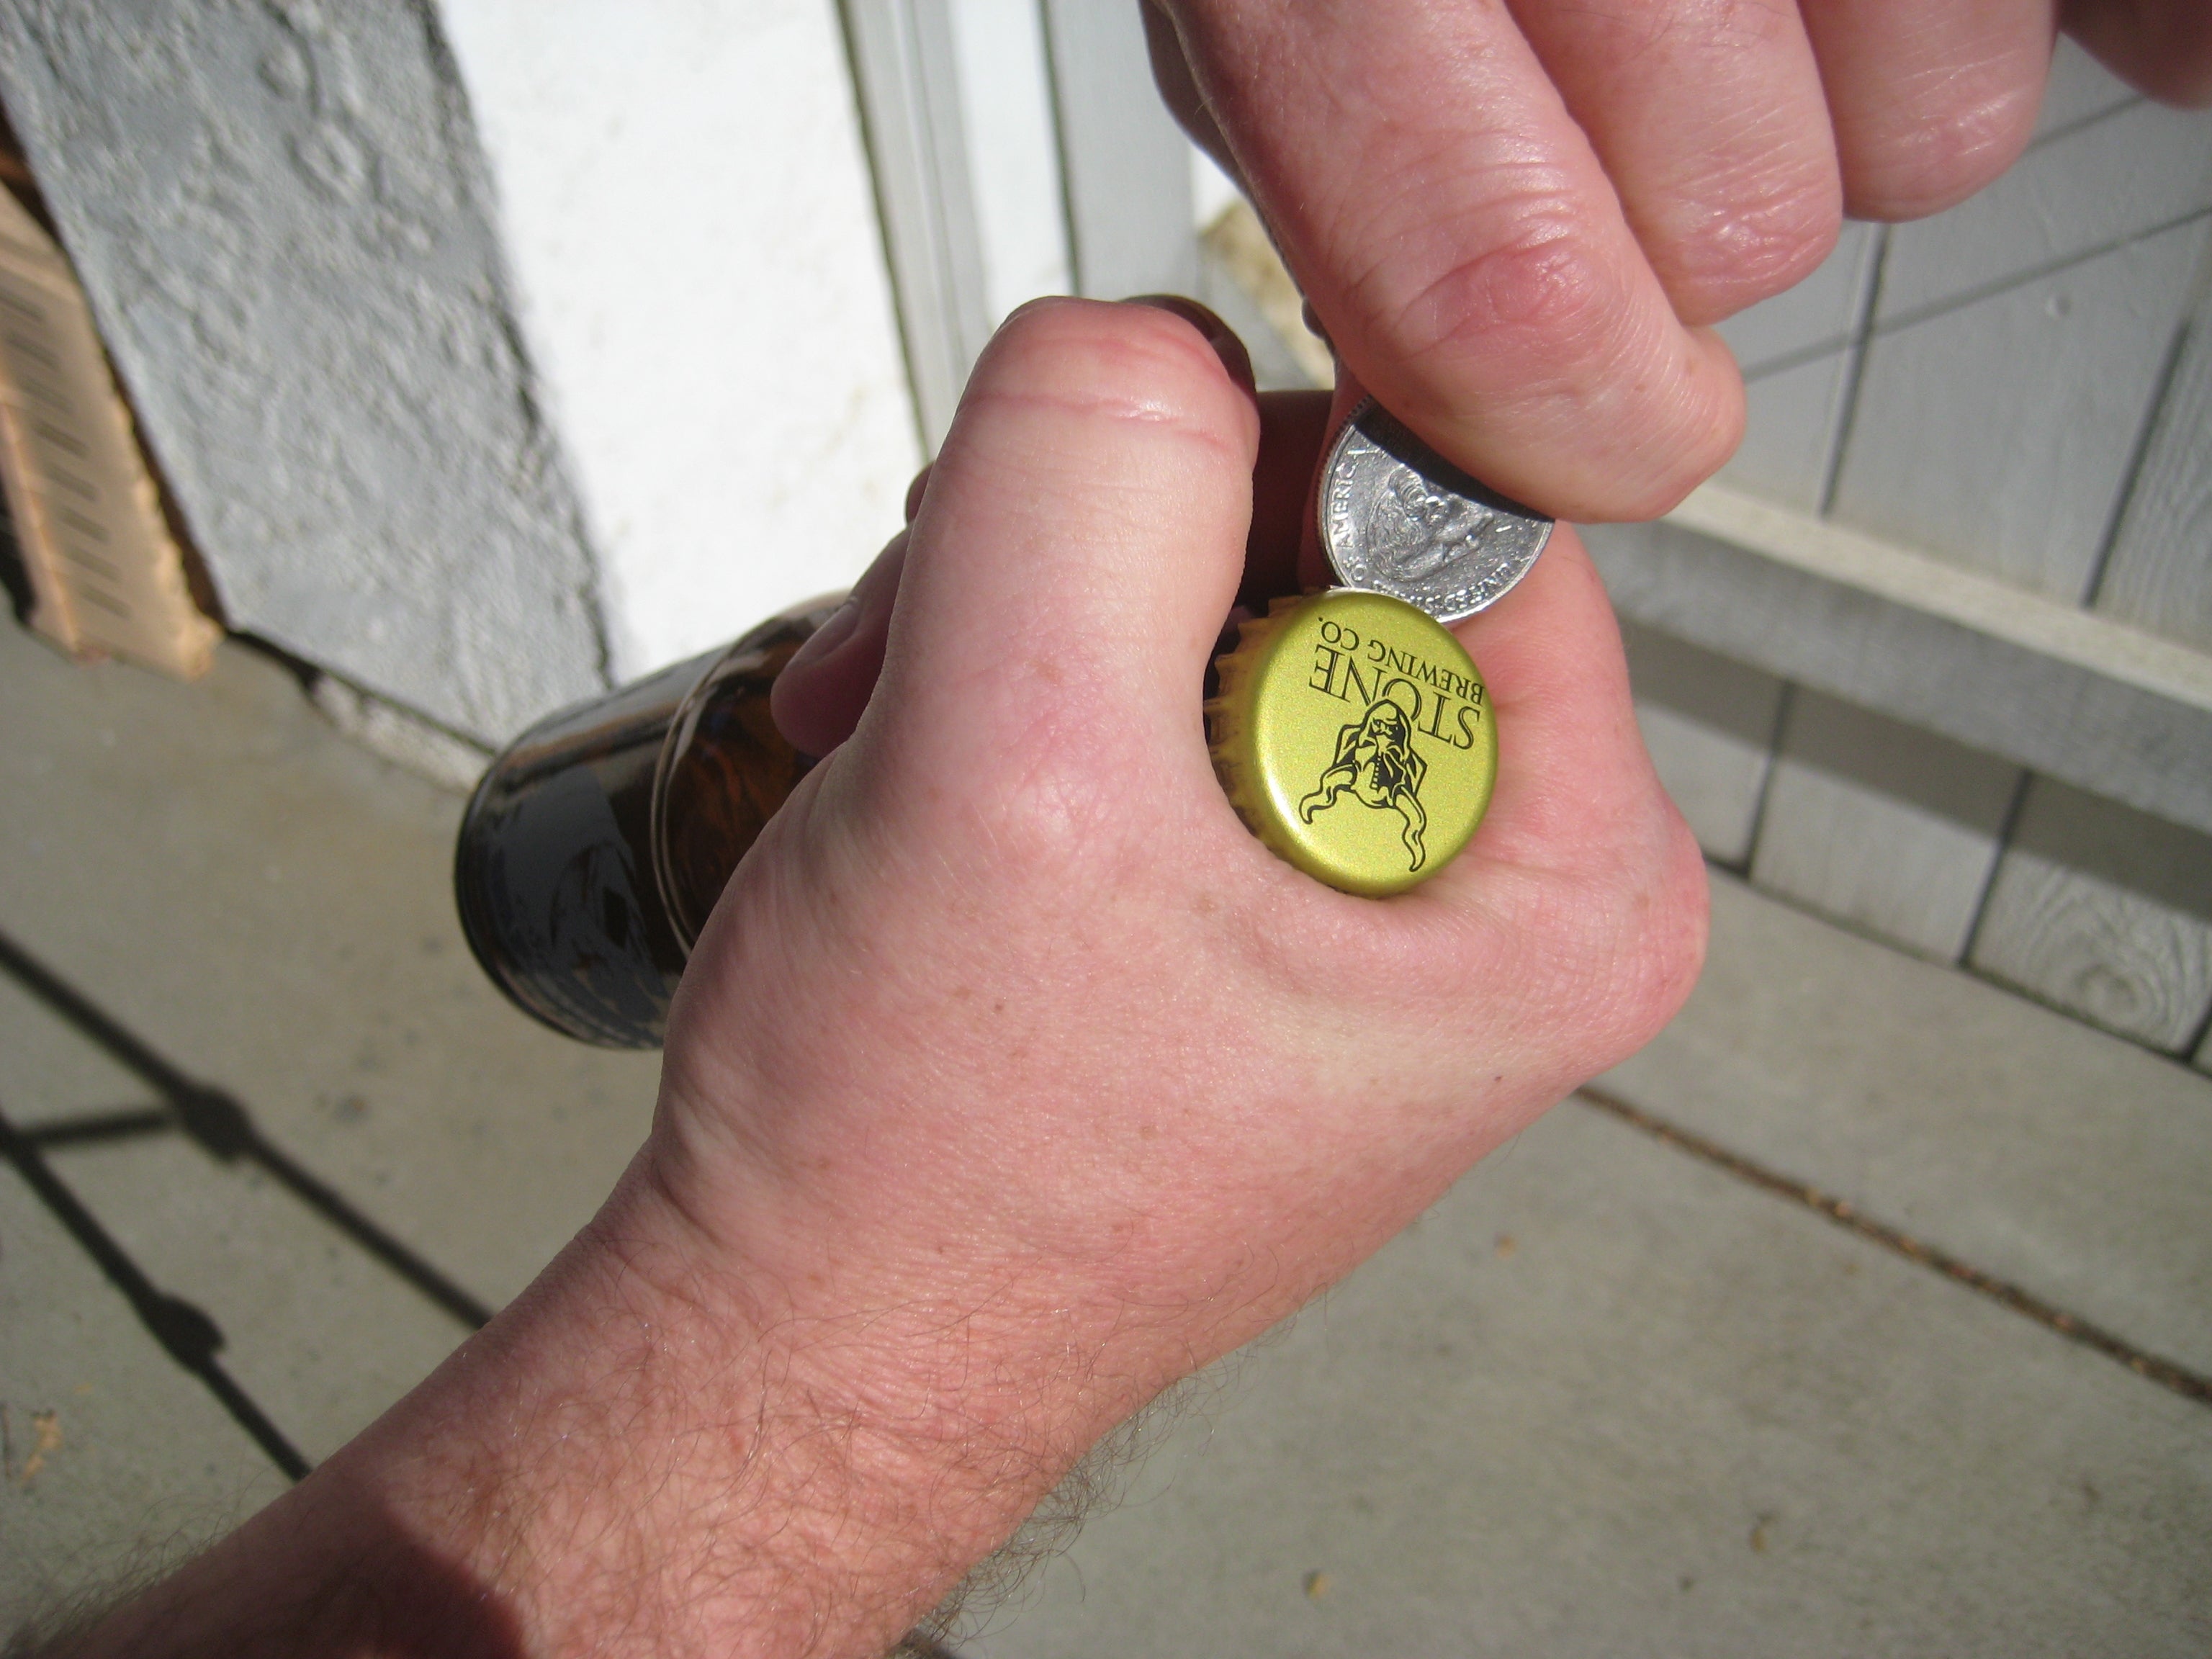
[668, 1441]
[657, 1449]
[979, 1368]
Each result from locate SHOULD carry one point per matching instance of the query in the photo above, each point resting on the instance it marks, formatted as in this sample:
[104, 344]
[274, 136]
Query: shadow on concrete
[214, 1121]
[186, 1334]
[220, 1125]
[131, 1123]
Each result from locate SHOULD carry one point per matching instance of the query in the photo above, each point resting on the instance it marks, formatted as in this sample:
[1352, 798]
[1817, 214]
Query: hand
[1012, 1079]
[1010, 1047]
[1516, 220]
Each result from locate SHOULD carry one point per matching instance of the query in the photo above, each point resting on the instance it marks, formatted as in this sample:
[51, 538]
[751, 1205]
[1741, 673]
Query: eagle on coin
[1376, 762]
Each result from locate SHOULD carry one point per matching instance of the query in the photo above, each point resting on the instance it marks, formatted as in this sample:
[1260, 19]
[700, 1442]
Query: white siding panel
[281, 219]
[1999, 435]
[2107, 913]
[688, 209]
[1882, 825]
[1014, 155]
[1709, 725]
[2160, 573]
[1125, 163]
[1791, 422]
[1816, 314]
[2079, 88]
[1797, 357]
[2142, 166]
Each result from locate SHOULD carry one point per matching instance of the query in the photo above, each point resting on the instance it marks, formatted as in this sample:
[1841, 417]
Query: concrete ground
[1870, 1312]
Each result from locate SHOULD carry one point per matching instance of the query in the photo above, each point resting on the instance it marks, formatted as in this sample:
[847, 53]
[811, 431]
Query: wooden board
[1879, 824]
[1709, 725]
[2105, 912]
[1792, 419]
[1999, 435]
[2080, 89]
[1815, 317]
[106, 575]
[2158, 573]
[2139, 167]
[1800, 352]
[2109, 708]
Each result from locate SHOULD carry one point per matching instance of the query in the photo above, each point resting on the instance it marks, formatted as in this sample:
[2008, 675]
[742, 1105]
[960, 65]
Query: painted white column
[686, 208]
[1013, 153]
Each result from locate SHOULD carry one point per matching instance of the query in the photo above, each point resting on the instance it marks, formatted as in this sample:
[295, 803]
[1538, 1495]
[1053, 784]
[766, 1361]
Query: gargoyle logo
[1375, 760]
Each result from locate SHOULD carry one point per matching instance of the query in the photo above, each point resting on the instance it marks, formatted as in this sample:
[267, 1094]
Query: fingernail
[1200, 317]
[1218, 334]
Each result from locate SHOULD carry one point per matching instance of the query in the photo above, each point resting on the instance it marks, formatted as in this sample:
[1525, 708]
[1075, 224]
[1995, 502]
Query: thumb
[1079, 545]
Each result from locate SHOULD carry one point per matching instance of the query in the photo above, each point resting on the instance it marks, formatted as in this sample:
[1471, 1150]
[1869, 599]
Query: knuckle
[1540, 282]
[1674, 933]
[1704, 445]
[1675, 441]
[1953, 145]
[1549, 337]
[1046, 833]
[1044, 811]
[1037, 823]
[1761, 237]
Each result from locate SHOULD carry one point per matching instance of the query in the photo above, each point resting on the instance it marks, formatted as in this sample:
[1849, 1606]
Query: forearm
[644, 1454]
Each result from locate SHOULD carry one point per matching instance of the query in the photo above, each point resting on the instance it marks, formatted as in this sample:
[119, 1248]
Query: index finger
[1451, 223]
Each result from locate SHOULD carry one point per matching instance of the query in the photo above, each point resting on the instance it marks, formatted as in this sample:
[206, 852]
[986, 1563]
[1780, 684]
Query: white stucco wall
[496, 349]
[685, 204]
[279, 214]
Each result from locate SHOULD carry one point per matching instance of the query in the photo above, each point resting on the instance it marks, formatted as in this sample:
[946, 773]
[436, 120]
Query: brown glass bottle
[593, 849]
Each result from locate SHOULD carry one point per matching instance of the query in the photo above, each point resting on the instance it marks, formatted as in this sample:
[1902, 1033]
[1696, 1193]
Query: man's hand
[1010, 1054]
[1012, 1079]
[1516, 220]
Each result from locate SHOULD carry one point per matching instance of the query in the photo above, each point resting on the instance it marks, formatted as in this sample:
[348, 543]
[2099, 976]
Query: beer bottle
[595, 845]
[1349, 729]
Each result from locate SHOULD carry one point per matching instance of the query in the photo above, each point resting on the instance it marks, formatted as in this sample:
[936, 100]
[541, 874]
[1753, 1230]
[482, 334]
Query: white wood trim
[905, 71]
[2079, 697]
[1125, 165]
[2108, 649]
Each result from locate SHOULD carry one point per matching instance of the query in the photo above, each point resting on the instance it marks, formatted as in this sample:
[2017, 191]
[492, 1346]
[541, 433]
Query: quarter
[1397, 518]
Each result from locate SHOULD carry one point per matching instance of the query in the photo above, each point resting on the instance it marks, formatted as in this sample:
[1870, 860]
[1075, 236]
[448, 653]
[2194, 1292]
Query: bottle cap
[1354, 736]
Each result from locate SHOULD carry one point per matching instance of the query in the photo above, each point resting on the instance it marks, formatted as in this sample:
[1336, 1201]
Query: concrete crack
[2179, 1379]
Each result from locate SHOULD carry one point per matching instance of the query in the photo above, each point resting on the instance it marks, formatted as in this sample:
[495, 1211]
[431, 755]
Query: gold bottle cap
[1354, 736]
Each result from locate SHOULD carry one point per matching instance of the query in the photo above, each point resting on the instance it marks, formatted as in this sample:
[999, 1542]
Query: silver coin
[1397, 518]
